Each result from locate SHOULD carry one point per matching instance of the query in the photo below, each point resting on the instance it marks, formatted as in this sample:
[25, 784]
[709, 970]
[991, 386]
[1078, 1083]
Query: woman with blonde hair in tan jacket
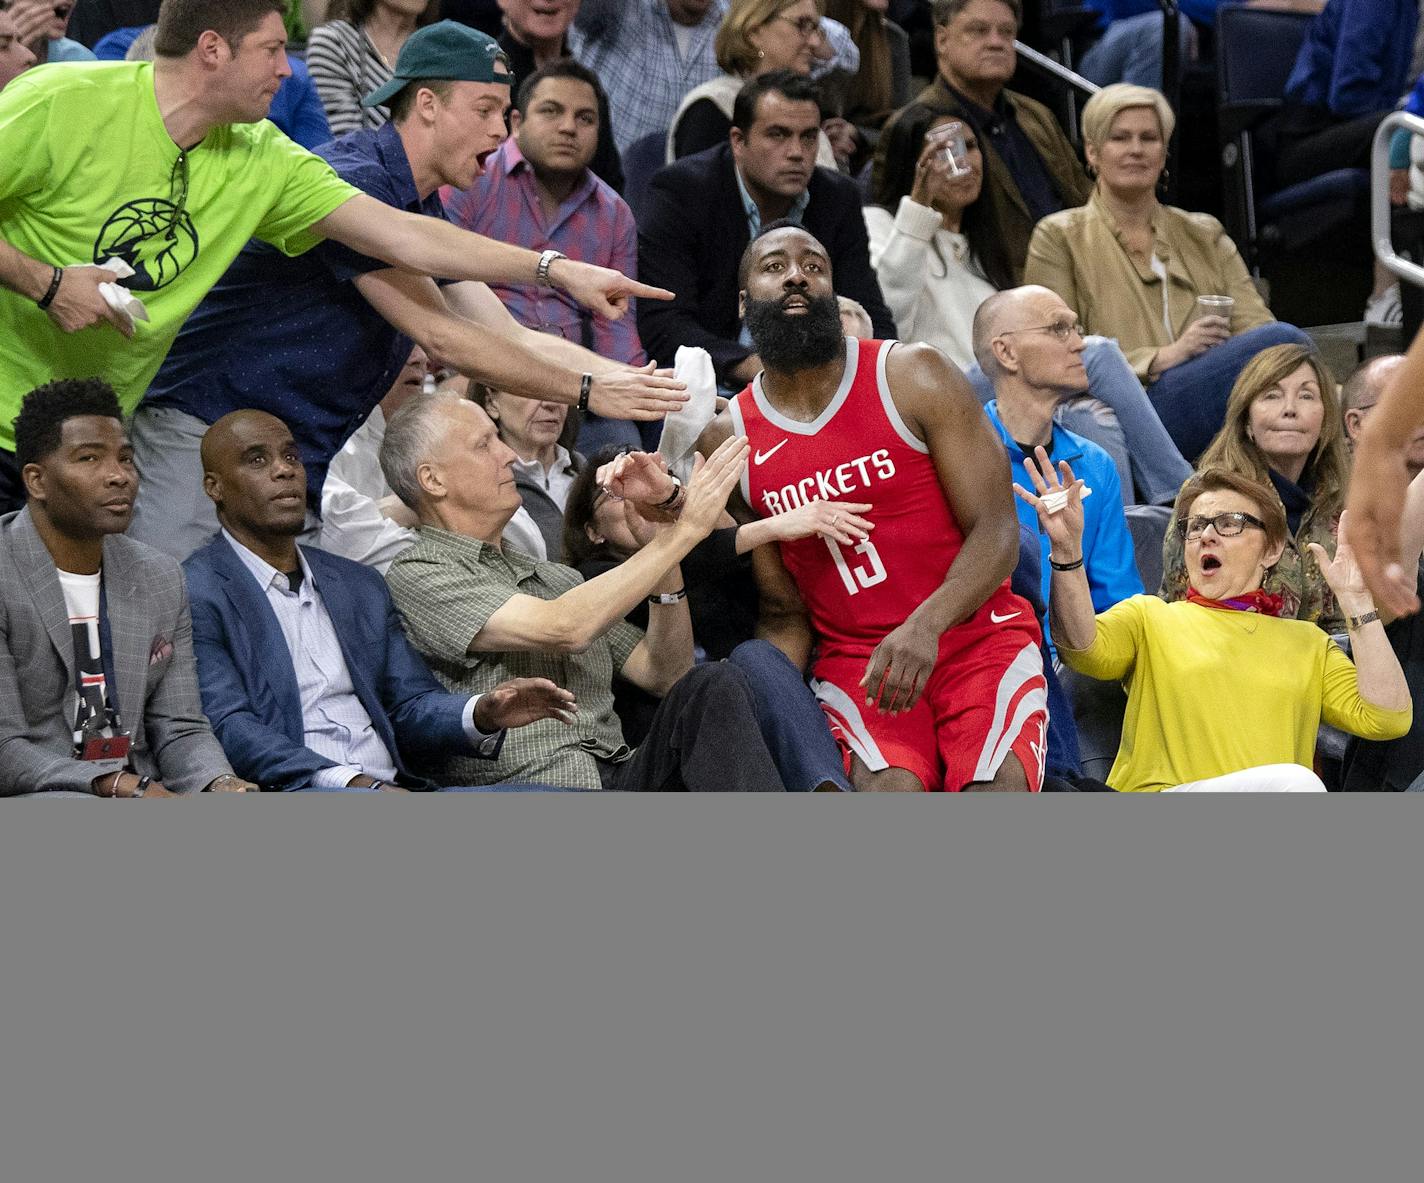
[1135, 269]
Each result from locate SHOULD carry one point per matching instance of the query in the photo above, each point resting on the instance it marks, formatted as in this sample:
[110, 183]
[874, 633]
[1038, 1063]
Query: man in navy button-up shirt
[317, 340]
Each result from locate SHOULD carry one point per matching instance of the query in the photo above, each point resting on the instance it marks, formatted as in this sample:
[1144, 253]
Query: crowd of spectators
[667, 395]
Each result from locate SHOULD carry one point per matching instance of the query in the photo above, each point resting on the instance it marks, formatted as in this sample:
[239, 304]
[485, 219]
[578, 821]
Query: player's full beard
[800, 342]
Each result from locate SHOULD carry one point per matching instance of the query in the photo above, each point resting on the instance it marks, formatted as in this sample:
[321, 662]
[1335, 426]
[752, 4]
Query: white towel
[682, 430]
[119, 298]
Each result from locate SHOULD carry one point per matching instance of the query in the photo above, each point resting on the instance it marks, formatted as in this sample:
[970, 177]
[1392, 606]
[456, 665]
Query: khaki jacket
[1010, 214]
[1080, 254]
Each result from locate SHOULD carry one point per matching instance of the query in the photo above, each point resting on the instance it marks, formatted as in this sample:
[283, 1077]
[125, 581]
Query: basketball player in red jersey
[926, 664]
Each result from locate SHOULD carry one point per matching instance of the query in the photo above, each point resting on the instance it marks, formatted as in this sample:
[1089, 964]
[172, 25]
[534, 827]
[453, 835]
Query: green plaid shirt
[447, 587]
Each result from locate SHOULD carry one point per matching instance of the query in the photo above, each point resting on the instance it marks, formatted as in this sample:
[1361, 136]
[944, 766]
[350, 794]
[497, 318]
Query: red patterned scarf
[1253, 601]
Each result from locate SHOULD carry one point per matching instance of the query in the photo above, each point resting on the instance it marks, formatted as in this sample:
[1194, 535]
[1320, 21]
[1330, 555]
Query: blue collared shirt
[1108, 556]
[334, 723]
[294, 336]
[753, 211]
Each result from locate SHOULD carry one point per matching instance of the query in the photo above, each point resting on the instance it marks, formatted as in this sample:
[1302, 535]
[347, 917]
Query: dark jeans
[1190, 399]
[704, 738]
[791, 720]
[12, 489]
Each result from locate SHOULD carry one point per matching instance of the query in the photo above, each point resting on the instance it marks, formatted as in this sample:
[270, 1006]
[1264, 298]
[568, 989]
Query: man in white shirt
[361, 517]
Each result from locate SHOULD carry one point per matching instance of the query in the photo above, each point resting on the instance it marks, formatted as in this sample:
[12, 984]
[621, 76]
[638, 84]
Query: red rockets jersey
[858, 449]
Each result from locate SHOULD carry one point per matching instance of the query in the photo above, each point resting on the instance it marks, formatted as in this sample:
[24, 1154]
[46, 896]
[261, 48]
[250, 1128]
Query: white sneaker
[1385, 311]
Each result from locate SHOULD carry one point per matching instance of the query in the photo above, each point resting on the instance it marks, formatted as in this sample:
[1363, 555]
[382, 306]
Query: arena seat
[1148, 525]
[641, 160]
[1256, 50]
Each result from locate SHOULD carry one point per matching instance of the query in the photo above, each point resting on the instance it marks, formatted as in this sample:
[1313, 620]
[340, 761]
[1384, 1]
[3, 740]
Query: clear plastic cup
[1215, 306]
[952, 151]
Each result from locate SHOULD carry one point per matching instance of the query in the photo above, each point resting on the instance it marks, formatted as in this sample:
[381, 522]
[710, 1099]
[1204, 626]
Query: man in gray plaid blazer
[98, 688]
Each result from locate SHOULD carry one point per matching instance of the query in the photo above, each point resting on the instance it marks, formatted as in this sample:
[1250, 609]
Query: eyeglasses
[1226, 525]
[809, 27]
[1062, 329]
[178, 195]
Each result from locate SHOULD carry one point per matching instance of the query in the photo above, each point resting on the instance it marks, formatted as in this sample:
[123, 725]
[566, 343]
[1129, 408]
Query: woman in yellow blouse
[1284, 428]
[1223, 695]
[1134, 268]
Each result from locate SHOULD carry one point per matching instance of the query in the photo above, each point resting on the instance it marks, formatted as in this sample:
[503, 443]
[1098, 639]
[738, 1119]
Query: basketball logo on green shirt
[154, 237]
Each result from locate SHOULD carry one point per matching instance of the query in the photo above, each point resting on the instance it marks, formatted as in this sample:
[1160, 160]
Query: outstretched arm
[577, 618]
[477, 302]
[519, 361]
[1377, 670]
[1378, 483]
[431, 246]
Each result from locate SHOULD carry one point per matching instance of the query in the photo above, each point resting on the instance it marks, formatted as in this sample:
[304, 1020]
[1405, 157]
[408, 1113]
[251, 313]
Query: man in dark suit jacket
[98, 694]
[702, 211]
[305, 671]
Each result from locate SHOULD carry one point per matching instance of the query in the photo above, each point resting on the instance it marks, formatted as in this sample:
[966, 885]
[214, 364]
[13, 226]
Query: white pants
[1268, 778]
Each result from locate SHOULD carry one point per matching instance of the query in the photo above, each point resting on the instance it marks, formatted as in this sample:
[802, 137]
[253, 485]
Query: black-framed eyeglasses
[1226, 525]
[1061, 329]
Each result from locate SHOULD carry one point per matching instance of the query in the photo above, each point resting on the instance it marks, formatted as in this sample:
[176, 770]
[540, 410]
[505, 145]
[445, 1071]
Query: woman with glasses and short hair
[1223, 694]
[1135, 269]
[1284, 429]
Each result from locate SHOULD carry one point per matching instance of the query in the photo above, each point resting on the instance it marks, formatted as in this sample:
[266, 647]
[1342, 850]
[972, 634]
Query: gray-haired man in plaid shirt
[481, 612]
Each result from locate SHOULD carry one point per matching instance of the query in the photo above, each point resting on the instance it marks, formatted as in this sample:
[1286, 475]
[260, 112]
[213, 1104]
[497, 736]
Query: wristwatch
[547, 260]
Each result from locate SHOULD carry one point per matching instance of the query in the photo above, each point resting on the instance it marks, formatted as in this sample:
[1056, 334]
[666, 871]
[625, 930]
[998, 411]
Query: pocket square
[162, 650]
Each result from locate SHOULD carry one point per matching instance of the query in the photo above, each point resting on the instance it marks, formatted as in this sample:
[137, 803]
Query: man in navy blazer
[305, 671]
[702, 210]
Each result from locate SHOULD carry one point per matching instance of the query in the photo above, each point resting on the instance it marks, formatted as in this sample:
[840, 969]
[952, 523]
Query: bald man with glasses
[1029, 345]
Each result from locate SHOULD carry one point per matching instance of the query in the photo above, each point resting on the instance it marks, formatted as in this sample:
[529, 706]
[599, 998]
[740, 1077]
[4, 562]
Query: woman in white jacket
[934, 250]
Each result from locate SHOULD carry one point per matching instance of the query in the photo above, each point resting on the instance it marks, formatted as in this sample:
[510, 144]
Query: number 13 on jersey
[862, 575]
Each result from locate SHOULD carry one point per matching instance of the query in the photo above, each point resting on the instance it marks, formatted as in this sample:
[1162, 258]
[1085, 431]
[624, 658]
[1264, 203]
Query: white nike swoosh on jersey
[763, 457]
[997, 619]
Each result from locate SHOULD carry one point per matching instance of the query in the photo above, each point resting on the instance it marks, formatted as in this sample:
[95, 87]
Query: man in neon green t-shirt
[166, 167]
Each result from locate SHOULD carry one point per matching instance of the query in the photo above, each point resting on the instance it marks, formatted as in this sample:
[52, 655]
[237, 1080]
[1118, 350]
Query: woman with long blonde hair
[1284, 428]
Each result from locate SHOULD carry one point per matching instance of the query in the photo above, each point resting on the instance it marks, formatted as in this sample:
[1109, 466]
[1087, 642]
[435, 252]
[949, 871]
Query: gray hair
[142, 48]
[412, 436]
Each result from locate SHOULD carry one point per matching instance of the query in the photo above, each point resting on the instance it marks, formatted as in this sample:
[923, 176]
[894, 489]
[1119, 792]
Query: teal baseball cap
[448, 51]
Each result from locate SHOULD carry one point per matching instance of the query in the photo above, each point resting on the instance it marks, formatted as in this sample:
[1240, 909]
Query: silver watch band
[547, 260]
